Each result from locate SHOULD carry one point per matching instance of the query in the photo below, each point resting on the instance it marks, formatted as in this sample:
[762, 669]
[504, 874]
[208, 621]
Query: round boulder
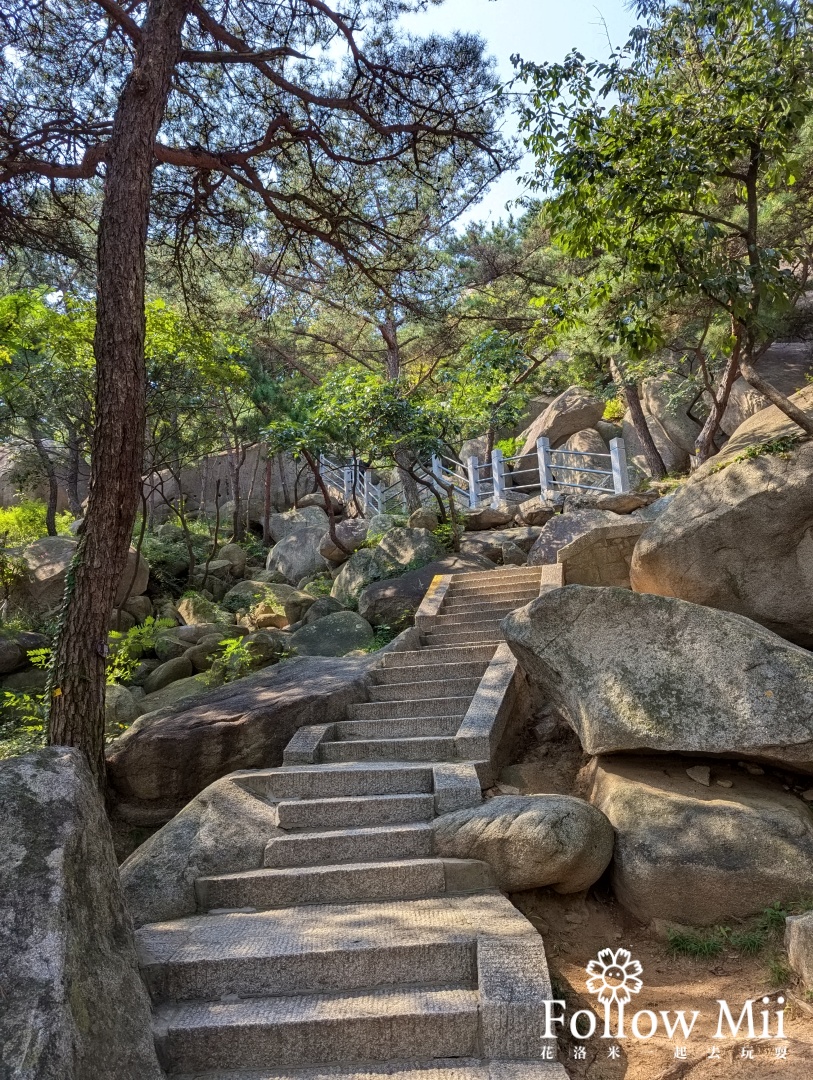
[530, 841]
[169, 672]
[334, 635]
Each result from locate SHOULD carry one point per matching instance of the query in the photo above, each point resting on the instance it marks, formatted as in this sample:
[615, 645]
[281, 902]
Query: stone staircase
[354, 953]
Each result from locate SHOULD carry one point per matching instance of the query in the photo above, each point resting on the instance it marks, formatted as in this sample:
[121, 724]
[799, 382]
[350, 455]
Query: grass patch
[782, 447]
[699, 946]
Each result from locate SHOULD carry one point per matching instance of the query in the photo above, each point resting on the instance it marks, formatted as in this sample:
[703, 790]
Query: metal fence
[477, 483]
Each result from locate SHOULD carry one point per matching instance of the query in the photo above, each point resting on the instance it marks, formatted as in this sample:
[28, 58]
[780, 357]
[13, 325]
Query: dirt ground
[576, 928]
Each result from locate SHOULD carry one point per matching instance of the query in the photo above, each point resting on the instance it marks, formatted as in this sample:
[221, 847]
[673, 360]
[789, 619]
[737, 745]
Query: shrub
[614, 410]
[25, 523]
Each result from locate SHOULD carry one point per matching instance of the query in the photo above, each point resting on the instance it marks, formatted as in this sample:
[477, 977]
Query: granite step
[318, 1029]
[410, 841]
[402, 727]
[389, 710]
[474, 620]
[355, 812]
[395, 879]
[428, 673]
[341, 780]
[468, 606]
[425, 748]
[456, 637]
[451, 687]
[415, 659]
[455, 1069]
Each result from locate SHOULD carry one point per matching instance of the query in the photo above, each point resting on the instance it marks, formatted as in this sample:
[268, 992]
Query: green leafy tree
[685, 157]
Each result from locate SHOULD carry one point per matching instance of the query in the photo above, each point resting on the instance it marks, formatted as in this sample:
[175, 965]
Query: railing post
[347, 476]
[473, 466]
[545, 471]
[366, 496]
[437, 467]
[498, 475]
[618, 460]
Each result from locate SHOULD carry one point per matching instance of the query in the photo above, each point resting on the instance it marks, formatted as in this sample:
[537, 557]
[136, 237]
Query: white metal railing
[477, 483]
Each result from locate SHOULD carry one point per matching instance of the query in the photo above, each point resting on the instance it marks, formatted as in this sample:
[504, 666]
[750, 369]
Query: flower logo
[614, 976]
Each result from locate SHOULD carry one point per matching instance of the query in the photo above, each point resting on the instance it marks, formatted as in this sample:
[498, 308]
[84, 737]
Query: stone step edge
[461, 877]
[431, 1069]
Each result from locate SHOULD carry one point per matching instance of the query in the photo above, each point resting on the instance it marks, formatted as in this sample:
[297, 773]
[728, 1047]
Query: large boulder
[264, 598]
[539, 509]
[572, 411]
[360, 570]
[668, 399]
[698, 855]
[564, 529]
[316, 498]
[351, 533]
[740, 538]
[292, 521]
[236, 556]
[490, 542]
[394, 601]
[73, 1004]
[530, 841]
[786, 365]
[48, 562]
[297, 556]
[489, 517]
[406, 549]
[334, 635]
[12, 656]
[166, 758]
[168, 672]
[325, 605]
[223, 830]
[573, 469]
[602, 556]
[637, 672]
[674, 458]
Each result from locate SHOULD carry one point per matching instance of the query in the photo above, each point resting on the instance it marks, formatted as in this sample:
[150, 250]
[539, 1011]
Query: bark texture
[77, 703]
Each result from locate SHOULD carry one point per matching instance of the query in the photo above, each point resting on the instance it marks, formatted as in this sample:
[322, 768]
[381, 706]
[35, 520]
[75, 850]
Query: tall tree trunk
[704, 444]
[50, 475]
[72, 475]
[267, 500]
[783, 403]
[78, 676]
[654, 460]
[389, 332]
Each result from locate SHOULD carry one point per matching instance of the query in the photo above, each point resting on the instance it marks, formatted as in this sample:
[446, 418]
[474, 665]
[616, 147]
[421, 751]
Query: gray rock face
[564, 529]
[169, 646]
[335, 635]
[325, 605]
[530, 841]
[48, 562]
[583, 442]
[235, 555]
[664, 398]
[12, 656]
[488, 517]
[423, 519]
[168, 672]
[316, 498]
[352, 532]
[393, 602]
[223, 830]
[171, 694]
[799, 944]
[166, 758]
[490, 542]
[119, 706]
[674, 458]
[513, 555]
[538, 510]
[702, 856]
[297, 556]
[292, 521]
[785, 365]
[74, 1005]
[401, 549]
[249, 593]
[633, 672]
[360, 570]
[572, 411]
[739, 539]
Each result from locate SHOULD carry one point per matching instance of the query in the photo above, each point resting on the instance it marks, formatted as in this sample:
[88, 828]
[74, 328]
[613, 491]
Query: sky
[538, 30]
